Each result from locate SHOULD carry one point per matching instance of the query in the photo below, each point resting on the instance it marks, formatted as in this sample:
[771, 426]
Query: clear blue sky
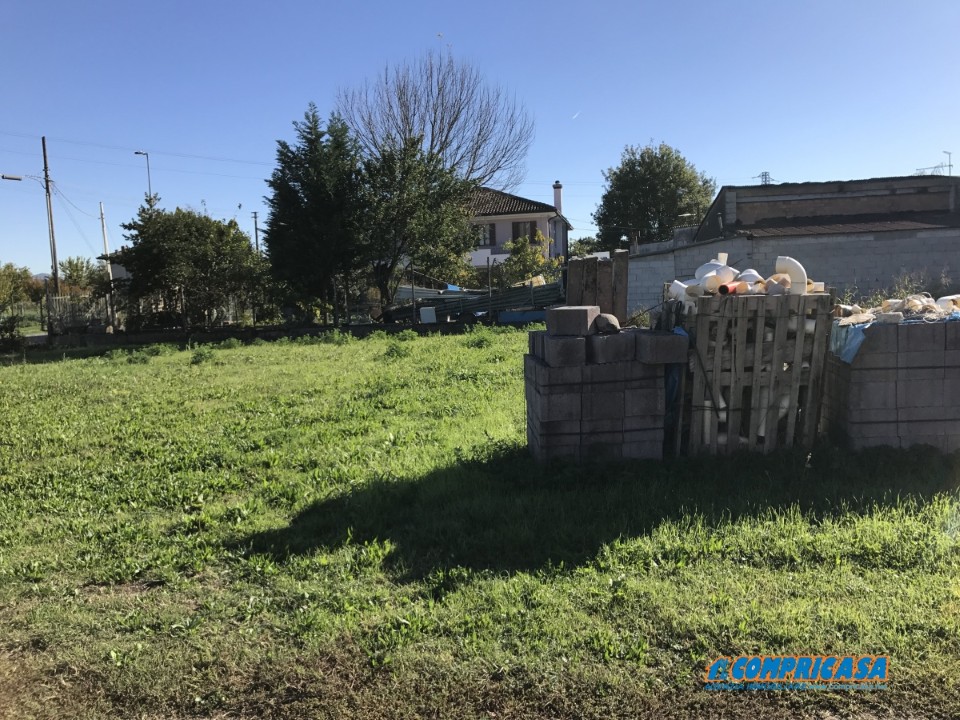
[813, 90]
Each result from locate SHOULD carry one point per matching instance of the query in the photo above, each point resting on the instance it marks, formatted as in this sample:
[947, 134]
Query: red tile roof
[495, 202]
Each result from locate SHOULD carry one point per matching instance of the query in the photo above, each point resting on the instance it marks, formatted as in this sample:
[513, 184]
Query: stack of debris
[895, 311]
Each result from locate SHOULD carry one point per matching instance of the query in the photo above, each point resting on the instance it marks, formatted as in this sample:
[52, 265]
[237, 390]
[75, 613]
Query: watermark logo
[798, 672]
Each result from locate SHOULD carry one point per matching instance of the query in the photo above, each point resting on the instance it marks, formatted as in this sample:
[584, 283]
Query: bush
[230, 344]
[201, 355]
[478, 340]
[11, 339]
[335, 337]
[406, 335]
[397, 350]
[377, 335]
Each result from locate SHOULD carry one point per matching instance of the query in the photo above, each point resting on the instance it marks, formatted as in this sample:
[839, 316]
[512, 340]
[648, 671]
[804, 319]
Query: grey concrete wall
[866, 262]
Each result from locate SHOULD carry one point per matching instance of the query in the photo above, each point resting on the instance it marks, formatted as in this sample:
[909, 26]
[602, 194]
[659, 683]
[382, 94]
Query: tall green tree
[414, 210]
[14, 283]
[311, 236]
[81, 273]
[188, 264]
[646, 195]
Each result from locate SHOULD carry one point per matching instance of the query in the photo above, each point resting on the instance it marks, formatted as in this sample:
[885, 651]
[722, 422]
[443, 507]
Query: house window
[525, 229]
[488, 235]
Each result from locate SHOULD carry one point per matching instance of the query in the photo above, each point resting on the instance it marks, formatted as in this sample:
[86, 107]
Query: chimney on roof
[558, 196]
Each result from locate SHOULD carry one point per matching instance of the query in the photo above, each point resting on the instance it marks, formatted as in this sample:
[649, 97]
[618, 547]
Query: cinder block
[951, 391]
[647, 435]
[602, 405]
[918, 337]
[643, 450]
[558, 440]
[599, 451]
[923, 428]
[870, 430]
[569, 453]
[661, 348]
[615, 372]
[559, 377]
[646, 445]
[643, 422]
[535, 343]
[929, 374]
[604, 349]
[861, 443]
[644, 371]
[951, 332]
[865, 396]
[880, 338]
[872, 415]
[951, 358]
[601, 438]
[921, 359]
[558, 406]
[559, 351]
[871, 360]
[869, 375]
[614, 425]
[949, 415]
[919, 393]
[644, 402]
[572, 320]
[558, 427]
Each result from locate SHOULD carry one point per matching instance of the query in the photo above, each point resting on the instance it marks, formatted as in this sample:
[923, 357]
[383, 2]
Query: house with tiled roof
[502, 217]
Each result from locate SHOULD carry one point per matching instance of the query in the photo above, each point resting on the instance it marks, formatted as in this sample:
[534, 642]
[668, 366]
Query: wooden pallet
[757, 371]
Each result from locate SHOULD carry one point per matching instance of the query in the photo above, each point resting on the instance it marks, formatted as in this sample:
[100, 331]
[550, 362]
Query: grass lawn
[353, 529]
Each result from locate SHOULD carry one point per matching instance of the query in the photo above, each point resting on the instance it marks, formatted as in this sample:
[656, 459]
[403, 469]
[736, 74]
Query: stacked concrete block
[902, 389]
[604, 403]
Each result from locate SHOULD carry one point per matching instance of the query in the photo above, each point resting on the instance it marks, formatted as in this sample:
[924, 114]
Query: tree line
[380, 187]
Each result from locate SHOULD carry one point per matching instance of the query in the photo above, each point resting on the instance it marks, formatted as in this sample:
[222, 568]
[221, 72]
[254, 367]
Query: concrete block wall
[902, 389]
[869, 262]
[610, 406]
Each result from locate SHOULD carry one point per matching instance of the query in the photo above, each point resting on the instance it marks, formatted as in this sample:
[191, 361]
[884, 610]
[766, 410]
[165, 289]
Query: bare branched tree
[478, 131]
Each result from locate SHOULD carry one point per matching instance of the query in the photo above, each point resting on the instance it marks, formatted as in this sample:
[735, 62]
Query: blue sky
[804, 90]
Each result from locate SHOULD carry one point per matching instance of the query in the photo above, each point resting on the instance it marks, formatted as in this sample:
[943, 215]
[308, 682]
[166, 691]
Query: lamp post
[949, 161]
[147, 156]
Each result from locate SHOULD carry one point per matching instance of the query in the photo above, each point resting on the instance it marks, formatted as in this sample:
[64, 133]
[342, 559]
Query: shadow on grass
[500, 511]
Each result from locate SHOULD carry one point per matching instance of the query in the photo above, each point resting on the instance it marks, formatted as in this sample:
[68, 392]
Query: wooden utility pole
[106, 259]
[53, 242]
[256, 232]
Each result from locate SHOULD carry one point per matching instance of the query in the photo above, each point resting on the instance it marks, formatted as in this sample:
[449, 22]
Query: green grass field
[353, 529]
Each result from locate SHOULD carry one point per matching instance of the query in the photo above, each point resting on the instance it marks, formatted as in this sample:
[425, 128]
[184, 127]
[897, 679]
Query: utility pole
[53, 242]
[949, 161]
[106, 255]
[256, 232]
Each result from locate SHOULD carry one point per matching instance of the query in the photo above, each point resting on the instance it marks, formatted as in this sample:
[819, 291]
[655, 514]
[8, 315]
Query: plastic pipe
[678, 291]
[706, 268]
[949, 302]
[730, 288]
[749, 275]
[796, 273]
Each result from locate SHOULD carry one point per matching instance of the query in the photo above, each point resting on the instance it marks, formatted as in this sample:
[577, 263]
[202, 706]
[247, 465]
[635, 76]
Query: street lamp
[147, 156]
